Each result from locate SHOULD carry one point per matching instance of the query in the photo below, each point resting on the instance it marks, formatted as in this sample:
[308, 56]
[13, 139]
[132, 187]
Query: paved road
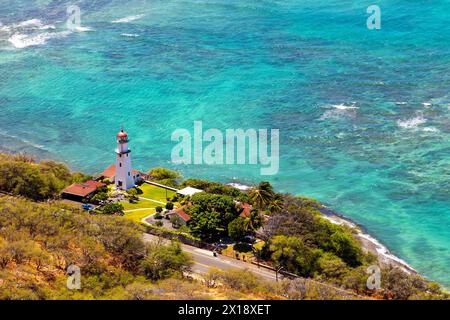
[204, 260]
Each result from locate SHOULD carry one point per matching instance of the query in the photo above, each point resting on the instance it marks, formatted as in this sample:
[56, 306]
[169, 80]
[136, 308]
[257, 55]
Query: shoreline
[368, 242]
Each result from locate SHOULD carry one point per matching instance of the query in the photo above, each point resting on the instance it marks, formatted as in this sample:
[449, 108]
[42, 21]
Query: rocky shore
[369, 243]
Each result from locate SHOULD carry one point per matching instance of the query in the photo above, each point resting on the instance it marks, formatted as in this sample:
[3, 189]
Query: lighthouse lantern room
[124, 177]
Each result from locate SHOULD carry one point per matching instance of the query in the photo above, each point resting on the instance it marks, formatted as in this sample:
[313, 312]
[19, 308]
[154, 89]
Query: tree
[164, 176]
[276, 204]
[223, 205]
[254, 221]
[100, 196]
[293, 255]
[159, 209]
[204, 224]
[176, 221]
[262, 195]
[164, 261]
[132, 195]
[237, 229]
[113, 208]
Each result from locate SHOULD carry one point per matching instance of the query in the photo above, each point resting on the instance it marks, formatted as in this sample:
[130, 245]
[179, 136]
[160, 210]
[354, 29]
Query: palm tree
[262, 195]
[253, 221]
[276, 205]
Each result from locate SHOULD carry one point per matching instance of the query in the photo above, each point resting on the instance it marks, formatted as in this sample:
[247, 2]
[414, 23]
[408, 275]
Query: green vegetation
[38, 241]
[164, 176]
[112, 208]
[237, 229]
[211, 214]
[24, 176]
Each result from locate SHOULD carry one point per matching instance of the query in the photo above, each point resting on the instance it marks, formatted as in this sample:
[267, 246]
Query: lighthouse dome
[122, 134]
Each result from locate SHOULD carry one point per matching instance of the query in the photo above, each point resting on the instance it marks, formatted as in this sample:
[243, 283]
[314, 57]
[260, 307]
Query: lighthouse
[124, 179]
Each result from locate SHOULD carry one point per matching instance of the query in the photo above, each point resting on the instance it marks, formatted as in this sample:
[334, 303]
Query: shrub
[164, 261]
[113, 208]
[157, 215]
[169, 205]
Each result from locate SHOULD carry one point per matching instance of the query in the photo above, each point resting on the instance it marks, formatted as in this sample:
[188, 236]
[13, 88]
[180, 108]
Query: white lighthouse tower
[124, 177]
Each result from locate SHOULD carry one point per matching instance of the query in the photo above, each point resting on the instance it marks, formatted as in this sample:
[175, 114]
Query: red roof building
[110, 173]
[182, 214]
[79, 191]
[246, 209]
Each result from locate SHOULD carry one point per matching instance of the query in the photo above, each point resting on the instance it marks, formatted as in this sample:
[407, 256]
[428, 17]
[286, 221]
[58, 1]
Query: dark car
[87, 206]
[249, 239]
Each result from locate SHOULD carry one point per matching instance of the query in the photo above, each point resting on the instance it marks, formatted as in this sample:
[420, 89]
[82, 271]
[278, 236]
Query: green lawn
[146, 191]
[137, 216]
[140, 204]
[155, 193]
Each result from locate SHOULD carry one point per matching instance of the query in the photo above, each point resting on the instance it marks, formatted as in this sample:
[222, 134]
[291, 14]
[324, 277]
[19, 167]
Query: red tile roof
[83, 189]
[247, 208]
[182, 214]
[110, 172]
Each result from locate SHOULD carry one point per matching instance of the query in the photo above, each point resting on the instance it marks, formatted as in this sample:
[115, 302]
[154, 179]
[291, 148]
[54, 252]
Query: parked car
[249, 239]
[87, 206]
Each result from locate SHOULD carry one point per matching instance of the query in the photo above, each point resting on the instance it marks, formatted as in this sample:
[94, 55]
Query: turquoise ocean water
[363, 115]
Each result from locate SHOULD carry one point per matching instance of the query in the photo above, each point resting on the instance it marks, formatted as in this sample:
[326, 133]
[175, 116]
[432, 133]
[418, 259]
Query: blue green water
[363, 115]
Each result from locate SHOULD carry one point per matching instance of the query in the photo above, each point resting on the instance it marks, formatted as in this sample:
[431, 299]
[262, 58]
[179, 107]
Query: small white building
[188, 191]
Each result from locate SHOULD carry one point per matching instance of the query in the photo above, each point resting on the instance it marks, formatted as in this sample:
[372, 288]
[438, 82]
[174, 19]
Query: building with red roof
[179, 212]
[110, 173]
[81, 191]
[246, 209]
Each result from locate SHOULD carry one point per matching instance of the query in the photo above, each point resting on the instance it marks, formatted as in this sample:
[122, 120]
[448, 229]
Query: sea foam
[128, 19]
[339, 111]
[411, 123]
[21, 41]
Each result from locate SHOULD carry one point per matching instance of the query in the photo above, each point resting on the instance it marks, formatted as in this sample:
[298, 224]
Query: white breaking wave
[411, 123]
[430, 129]
[239, 186]
[32, 24]
[344, 107]
[131, 35]
[338, 111]
[128, 19]
[20, 41]
[82, 29]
